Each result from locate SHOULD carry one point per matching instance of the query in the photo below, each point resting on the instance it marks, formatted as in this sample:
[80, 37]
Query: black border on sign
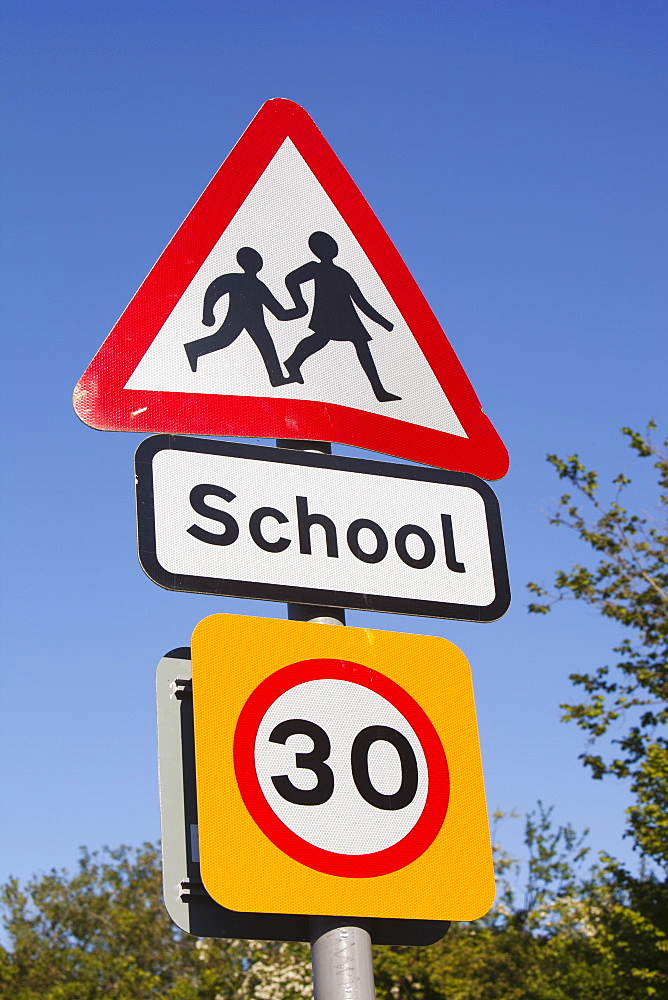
[148, 449]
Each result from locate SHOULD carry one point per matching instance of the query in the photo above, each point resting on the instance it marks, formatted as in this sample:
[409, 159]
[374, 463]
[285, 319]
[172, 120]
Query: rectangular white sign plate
[215, 517]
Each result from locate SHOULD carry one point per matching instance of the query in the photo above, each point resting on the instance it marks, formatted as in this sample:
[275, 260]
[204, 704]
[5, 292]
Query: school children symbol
[334, 315]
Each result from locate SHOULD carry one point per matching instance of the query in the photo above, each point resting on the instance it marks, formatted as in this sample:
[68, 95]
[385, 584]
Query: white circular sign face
[345, 822]
[341, 768]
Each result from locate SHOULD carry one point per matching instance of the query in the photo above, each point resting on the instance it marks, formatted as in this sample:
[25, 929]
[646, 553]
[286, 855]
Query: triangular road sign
[282, 309]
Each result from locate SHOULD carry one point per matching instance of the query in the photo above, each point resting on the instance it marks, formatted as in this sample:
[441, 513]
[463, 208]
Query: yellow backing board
[338, 772]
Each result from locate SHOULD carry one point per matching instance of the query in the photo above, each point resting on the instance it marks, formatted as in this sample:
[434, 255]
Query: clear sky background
[515, 154]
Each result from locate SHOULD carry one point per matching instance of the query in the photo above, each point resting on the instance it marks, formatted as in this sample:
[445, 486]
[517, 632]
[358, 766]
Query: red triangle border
[101, 400]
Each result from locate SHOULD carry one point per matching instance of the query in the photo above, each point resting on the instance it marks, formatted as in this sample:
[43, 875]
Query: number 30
[314, 760]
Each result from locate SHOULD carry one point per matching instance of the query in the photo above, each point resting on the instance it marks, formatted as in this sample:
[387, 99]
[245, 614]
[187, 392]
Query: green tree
[628, 584]
[103, 932]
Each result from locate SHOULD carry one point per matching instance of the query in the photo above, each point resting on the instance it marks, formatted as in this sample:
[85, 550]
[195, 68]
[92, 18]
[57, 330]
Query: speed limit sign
[338, 772]
[376, 767]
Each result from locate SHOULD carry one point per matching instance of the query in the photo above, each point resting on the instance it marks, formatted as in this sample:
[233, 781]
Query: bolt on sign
[346, 763]
[282, 309]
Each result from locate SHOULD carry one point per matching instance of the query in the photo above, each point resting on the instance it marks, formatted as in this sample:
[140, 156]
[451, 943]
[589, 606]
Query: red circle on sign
[381, 862]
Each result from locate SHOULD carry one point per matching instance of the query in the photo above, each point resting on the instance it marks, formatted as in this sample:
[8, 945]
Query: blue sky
[515, 154]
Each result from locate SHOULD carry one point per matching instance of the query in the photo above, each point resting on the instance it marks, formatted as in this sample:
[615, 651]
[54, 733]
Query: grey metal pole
[341, 959]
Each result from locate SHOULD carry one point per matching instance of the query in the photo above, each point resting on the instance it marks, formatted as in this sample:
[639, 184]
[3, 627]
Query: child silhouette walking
[334, 315]
[248, 298]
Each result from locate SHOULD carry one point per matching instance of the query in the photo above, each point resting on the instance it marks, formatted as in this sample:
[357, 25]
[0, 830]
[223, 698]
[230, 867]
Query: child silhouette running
[334, 315]
[248, 298]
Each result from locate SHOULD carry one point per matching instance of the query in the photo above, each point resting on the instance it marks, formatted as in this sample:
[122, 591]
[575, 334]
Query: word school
[307, 520]
[276, 524]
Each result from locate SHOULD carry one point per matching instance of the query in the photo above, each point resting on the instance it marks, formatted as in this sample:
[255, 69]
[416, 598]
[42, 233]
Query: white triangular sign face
[284, 208]
[331, 338]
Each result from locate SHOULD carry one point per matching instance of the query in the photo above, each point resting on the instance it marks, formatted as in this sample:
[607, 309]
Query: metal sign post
[341, 960]
[341, 957]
